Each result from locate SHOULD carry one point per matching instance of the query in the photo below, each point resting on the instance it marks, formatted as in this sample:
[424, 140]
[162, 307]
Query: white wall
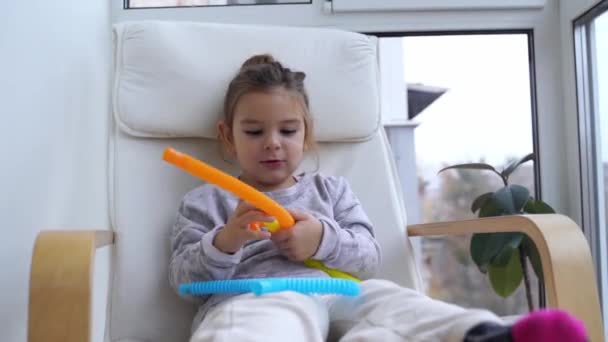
[54, 91]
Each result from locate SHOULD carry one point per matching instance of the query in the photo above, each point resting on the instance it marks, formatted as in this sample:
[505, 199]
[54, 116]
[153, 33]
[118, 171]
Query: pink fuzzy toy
[549, 325]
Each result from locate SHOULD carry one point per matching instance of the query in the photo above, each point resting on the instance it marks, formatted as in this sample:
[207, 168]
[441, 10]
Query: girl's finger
[283, 246]
[298, 214]
[281, 236]
[253, 216]
[258, 235]
[243, 207]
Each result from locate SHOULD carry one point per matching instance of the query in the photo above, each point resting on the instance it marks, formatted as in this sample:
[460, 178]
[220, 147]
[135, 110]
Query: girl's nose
[272, 142]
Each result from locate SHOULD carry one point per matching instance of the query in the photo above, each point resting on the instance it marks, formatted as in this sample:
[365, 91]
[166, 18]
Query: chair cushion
[170, 78]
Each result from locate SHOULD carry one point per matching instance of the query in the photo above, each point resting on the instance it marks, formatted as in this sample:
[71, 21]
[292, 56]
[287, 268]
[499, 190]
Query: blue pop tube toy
[260, 286]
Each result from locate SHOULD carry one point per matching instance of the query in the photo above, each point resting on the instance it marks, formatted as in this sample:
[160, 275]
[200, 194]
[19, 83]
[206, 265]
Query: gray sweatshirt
[347, 243]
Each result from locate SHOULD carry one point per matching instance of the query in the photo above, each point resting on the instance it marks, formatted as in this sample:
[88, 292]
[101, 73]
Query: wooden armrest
[61, 285]
[568, 272]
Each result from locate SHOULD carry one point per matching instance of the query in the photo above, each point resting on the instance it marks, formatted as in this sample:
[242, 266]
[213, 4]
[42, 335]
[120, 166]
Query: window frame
[126, 5]
[533, 99]
[432, 5]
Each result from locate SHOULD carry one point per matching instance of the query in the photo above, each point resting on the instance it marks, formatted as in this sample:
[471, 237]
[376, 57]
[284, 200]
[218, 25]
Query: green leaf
[537, 207]
[532, 252]
[490, 208]
[503, 257]
[512, 198]
[505, 280]
[521, 195]
[507, 172]
[472, 166]
[486, 247]
[480, 201]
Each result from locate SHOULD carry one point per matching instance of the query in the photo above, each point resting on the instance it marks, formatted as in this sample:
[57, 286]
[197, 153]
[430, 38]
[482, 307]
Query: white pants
[383, 311]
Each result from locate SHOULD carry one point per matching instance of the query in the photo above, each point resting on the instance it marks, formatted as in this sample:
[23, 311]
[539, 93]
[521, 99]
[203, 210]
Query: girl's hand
[301, 241]
[236, 232]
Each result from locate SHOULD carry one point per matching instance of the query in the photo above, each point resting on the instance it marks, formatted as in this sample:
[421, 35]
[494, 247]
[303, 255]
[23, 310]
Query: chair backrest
[169, 83]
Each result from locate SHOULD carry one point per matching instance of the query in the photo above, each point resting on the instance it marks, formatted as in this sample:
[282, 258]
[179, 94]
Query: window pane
[591, 51]
[484, 115]
[186, 3]
[601, 47]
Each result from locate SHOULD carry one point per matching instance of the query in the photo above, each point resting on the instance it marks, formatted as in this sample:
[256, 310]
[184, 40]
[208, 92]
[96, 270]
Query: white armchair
[169, 83]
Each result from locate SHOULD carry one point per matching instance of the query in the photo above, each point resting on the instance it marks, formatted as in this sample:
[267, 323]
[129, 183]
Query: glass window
[591, 49]
[189, 3]
[480, 110]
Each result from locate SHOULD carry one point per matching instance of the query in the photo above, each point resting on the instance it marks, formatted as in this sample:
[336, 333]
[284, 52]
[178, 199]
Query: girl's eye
[254, 132]
[288, 131]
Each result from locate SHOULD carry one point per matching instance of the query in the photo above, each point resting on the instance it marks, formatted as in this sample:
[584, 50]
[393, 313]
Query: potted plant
[503, 256]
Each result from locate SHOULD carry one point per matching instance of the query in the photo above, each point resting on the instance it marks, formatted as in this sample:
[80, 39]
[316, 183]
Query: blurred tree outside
[451, 274]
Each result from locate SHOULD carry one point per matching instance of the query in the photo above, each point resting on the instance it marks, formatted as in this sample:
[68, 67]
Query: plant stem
[505, 180]
[524, 269]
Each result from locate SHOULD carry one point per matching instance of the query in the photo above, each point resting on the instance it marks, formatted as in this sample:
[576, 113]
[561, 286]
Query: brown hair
[263, 73]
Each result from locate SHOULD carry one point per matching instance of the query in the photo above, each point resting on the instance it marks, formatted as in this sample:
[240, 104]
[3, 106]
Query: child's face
[267, 138]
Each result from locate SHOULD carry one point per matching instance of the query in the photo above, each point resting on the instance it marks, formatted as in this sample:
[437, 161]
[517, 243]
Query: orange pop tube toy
[231, 184]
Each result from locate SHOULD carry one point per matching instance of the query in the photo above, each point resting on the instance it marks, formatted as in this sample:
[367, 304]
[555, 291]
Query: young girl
[267, 128]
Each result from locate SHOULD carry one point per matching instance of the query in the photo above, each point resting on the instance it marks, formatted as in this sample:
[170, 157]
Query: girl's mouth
[273, 164]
